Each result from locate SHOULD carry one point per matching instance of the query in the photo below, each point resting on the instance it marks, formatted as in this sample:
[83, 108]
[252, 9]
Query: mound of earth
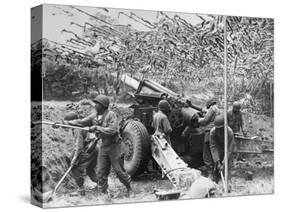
[57, 145]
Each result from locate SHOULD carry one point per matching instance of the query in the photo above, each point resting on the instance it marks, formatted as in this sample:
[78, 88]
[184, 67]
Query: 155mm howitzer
[178, 160]
[187, 138]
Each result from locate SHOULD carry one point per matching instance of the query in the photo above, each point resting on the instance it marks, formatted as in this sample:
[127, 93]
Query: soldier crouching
[85, 156]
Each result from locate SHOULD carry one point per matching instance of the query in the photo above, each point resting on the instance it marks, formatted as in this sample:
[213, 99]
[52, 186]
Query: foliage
[250, 47]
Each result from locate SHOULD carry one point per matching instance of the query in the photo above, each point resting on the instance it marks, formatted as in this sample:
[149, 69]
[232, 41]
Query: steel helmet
[103, 100]
[236, 106]
[210, 102]
[71, 116]
[219, 121]
[164, 105]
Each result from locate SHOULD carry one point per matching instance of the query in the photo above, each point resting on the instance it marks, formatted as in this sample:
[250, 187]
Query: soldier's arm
[208, 118]
[112, 128]
[184, 132]
[87, 121]
[152, 123]
[166, 125]
[213, 146]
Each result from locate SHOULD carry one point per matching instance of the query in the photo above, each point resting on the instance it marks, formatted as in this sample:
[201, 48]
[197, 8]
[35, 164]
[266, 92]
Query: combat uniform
[217, 143]
[208, 123]
[110, 152]
[235, 121]
[162, 125]
[86, 161]
[217, 148]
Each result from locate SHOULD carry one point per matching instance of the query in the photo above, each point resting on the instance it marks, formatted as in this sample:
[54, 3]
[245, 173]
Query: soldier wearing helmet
[161, 122]
[234, 118]
[105, 125]
[217, 144]
[110, 152]
[208, 123]
[212, 112]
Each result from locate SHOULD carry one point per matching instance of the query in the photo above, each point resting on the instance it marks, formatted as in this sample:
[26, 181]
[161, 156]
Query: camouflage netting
[250, 47]
[172, 51]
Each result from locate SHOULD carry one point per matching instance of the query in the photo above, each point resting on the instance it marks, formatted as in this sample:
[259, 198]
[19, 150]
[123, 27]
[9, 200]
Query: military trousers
[85, 166]
[111, 157]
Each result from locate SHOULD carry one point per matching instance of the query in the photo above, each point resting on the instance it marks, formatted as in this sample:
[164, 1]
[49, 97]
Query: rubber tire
[138, 135]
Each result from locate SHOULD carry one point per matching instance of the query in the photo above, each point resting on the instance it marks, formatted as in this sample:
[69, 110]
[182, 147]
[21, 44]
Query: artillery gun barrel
[150, 87]
[157, 87]
[149, 84]
[129, 81]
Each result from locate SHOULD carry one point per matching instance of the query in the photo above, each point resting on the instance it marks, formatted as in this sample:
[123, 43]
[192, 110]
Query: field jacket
[107, 128]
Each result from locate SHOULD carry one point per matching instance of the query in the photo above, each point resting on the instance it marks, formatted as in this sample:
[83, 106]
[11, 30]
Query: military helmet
[219, 121]
[164, 105]
[236, 106]
[102, 99]
[210, 102]
[71, 116]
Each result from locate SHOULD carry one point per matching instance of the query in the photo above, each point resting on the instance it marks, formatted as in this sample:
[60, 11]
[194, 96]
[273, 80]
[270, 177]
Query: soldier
[234, 118]
[208, 123]
[110, 152]
[235, 121]
[161, 122]
[217, 144]
[86, 151]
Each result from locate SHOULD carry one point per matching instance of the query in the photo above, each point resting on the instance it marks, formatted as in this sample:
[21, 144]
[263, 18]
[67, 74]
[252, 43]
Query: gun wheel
[136, 145]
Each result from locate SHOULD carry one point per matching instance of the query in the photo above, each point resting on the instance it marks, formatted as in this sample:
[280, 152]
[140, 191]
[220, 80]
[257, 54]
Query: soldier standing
[217, 144]
[110, 152]
[234, 118]
[161, 122]
[235, 121]
[208, 123]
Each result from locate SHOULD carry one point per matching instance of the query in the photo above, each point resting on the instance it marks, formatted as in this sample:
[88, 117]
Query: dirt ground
[254, 175]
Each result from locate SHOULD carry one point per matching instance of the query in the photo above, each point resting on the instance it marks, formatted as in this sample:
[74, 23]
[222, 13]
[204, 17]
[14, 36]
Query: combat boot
[129, 191]
[81, 191]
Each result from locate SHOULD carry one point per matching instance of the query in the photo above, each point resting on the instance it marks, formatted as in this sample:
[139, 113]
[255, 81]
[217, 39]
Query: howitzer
[144, 88]
[147, 95]
[177, 160]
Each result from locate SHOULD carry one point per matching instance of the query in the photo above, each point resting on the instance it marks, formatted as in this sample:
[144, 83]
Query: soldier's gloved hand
[183, 134]
[55, 125]
[93, 128]
[73, 161]
[200, 120]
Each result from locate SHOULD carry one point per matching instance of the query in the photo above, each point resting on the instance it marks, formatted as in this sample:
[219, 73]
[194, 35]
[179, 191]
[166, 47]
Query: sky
[55, 19]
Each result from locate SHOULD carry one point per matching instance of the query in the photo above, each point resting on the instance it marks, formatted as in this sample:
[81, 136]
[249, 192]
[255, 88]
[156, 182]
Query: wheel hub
[129, 149]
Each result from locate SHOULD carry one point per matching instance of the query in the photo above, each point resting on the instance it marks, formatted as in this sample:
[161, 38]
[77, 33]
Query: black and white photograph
[131, 106]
